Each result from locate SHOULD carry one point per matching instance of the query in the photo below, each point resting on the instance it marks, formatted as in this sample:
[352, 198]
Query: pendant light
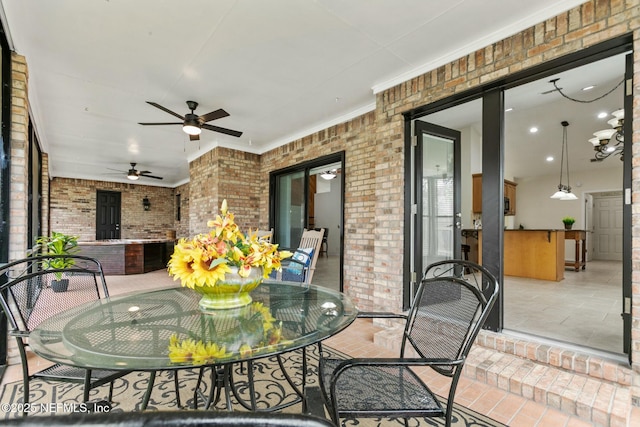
[564, 191]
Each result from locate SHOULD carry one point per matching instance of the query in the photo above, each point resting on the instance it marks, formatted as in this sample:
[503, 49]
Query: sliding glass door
[290, 213]
[308, 196]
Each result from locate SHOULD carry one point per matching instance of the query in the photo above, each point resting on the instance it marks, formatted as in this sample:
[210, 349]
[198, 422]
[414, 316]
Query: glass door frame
[493, 170]
[421, 128]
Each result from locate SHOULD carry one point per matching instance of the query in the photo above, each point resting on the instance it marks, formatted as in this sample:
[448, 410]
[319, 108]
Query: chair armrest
[288, 261]
[18, 333]
[390, 361]
[380, 315]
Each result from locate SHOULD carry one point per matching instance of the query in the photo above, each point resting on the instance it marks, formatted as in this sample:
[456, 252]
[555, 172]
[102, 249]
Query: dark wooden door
[107, 215]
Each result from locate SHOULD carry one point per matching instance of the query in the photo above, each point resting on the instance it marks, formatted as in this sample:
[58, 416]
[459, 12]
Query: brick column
[19, 156]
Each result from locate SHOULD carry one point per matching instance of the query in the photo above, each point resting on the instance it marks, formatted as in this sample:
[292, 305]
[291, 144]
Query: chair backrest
[450, 307]
[312, 239]
[35, 288]
[175, 419]
[266, 235]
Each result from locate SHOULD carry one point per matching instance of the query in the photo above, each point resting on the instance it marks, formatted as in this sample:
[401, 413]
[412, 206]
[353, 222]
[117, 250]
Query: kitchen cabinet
[534, 254]
[509, 193]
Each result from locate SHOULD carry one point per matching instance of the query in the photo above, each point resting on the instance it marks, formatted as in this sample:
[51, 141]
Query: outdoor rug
[271, 389]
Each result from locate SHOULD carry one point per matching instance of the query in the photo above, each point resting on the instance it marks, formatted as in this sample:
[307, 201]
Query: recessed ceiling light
[588, 87]
[602, 114]
[508, 109]
[533, 129]
[549, 158]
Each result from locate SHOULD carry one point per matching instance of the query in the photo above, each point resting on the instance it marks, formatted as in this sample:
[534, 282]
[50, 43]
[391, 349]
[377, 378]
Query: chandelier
[606, 141]
[564, 191]
[609, 141]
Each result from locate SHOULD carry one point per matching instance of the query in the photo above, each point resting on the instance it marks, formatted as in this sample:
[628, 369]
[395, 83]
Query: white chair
[265, 235]
[301, 266]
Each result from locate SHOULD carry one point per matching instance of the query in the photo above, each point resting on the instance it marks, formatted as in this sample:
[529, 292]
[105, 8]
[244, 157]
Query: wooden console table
[580, 257]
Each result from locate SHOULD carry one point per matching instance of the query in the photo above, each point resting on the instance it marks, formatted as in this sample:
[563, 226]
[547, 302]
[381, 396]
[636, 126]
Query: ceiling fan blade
[150, 176]
[222, 130]
[218, 114]
[155, 124]
[165, 110]
[194, 137]
[143, 172]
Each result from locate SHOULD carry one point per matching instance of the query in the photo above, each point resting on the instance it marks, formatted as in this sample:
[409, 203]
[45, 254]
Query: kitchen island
[129, 256]
[534, 254]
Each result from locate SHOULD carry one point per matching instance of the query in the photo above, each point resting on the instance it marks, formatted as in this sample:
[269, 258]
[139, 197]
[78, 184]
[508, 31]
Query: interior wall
[327, 212]
[467, 141]
[536, 210]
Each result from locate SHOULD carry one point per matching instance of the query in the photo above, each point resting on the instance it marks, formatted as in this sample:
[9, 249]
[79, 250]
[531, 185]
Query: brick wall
[358, 139]
[73, 208]
[182, 226]
[18, 172]
[221, 174]
[44, 218]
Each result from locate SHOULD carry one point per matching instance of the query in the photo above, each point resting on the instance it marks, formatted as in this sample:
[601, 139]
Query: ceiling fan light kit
[191, 127]
[133, 174]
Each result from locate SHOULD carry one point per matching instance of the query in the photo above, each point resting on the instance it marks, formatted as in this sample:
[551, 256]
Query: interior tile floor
[584, 309]
[357, 340]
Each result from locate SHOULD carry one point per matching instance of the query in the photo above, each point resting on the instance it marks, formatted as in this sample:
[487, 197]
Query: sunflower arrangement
[253, 332]
[205, 259]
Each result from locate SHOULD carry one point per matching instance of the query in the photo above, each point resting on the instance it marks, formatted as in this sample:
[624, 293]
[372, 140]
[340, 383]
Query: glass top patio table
[165, 329]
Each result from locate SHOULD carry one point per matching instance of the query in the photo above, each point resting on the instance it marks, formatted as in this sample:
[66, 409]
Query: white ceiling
[282, 69]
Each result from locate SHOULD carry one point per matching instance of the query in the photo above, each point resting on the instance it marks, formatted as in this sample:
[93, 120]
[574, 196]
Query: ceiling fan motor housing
[191, 119]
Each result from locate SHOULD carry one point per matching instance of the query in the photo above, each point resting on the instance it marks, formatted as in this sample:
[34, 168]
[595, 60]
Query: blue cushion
[303, 256]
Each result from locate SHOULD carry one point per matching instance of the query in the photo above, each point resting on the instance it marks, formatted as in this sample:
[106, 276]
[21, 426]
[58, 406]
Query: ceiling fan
[135, 175]
[193, 124]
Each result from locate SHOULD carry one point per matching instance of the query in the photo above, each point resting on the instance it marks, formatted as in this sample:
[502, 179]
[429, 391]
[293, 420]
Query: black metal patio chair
[449, 309]
[32, 290]
[174, 419]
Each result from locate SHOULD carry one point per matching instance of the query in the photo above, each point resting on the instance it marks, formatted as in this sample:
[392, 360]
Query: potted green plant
[57, 244]
[568, 222]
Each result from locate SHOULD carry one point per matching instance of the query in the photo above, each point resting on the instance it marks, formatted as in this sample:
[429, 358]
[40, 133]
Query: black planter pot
[60, 285]
[568, 226]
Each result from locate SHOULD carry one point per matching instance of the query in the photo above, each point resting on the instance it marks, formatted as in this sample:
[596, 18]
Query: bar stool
[324, 246]
[465, 251]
